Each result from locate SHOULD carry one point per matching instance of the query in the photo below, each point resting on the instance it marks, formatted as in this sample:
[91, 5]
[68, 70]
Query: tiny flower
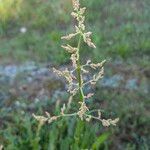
[76, 4]
[68, 37]
[52, 119]
[69, 48]
[74, 15]
[57, 72]
[82, 10]
[89, 95]
[77, 29]
[88, 62]
[99, 114]
[82, 110]
[88, 118]
[40, 118]
[87, 39]
[114, 122]
[63, 109]
[88, 34]
[81, 19]
[98, 65]
[109, 122]
[66, 73]
[73, 91]
[105, 123]
[23, 30]
[1, 147]
[98, 76]
[74, 59]
[81, 26]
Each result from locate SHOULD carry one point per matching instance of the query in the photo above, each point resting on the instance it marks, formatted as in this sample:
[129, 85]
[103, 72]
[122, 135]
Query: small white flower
[23, 30]
[1, 147]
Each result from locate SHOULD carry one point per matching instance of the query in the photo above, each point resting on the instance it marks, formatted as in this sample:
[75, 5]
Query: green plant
[76, 83]
[21, 133]
[9, 9]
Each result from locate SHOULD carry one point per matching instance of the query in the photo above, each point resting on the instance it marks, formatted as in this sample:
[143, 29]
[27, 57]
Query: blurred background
[30, 45]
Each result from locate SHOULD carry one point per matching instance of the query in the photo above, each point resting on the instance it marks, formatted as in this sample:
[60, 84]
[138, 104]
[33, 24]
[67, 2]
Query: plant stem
[79, 70]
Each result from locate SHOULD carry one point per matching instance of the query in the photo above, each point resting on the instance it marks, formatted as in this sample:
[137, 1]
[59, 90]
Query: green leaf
[100, 141]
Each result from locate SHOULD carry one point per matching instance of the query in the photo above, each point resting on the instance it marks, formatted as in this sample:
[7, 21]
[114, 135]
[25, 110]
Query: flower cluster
[82, 110]
[74, 77]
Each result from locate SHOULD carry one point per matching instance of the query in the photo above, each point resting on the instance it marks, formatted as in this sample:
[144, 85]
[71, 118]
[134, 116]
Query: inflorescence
[74, 77]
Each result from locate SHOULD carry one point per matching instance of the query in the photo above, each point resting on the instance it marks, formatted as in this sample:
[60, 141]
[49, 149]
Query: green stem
[79, 70]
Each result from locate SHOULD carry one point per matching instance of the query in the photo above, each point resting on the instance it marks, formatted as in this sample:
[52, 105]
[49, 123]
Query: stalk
[79, 70]
[83, 112]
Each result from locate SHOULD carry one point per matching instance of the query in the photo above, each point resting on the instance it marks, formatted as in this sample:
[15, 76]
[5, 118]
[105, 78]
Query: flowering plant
[74, 77]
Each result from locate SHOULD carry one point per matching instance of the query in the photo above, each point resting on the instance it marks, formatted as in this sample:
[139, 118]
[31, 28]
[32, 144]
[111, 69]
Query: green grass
[121, 30]
[19, 130]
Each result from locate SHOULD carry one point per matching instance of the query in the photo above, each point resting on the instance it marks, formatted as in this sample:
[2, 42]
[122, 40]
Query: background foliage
[121, 31]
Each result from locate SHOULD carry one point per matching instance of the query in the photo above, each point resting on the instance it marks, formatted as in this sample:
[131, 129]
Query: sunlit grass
[9, 9]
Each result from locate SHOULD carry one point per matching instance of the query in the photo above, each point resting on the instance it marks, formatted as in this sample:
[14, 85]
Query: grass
[19, 130]
[124, 36]
[32, 45]
[122, 32]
